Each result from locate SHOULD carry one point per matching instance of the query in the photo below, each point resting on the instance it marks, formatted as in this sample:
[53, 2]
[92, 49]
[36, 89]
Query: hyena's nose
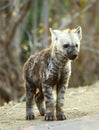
[74, 56]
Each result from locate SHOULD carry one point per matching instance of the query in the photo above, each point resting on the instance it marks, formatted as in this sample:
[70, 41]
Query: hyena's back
[34, 67]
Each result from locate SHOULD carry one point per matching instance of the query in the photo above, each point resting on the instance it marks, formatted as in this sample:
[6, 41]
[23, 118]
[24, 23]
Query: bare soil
[78, 102]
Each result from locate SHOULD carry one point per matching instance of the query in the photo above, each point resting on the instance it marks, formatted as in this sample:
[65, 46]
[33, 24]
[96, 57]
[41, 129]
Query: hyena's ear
[78, 30]
[54, 34]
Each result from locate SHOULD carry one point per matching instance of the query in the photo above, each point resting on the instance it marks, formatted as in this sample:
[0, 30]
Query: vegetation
[24, 30]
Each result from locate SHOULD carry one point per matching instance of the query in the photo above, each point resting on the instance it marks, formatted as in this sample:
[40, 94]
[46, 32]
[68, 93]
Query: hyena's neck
[58, 58]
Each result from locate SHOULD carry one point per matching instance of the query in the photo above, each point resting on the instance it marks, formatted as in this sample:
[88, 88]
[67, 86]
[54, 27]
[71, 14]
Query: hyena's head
[67, 41]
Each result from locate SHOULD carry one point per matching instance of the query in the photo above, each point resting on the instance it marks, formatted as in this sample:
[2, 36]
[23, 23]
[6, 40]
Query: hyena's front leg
[60, 101]
[29, 101]
[49, 102]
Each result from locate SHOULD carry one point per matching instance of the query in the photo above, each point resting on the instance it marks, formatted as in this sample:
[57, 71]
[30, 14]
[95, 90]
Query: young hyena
[48, 68]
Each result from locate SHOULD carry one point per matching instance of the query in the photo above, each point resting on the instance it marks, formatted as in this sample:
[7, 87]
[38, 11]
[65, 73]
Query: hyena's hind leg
[39, 98]
[30, 91]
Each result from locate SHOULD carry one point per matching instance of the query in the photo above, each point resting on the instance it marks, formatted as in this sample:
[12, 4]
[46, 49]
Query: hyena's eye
[66, 45]
[76, 45]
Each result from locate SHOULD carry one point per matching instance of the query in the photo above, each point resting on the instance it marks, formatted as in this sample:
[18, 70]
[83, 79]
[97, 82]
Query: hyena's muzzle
[72, 53]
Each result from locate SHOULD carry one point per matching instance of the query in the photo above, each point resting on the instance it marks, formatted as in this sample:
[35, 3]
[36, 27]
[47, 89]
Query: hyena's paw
[42, 111]
[61, 116]
[49, 116]
[41, 108]
[30, 116]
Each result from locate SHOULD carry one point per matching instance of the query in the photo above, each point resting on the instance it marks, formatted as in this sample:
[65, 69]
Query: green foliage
[25, 48]
[84, 2]
[55, 25]
[25, 51]
[30, 19]
[97, 23]
[39, 12]
[66, 3]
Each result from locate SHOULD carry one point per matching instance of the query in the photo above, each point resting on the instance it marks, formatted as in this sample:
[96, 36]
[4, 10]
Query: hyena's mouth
[72, 57]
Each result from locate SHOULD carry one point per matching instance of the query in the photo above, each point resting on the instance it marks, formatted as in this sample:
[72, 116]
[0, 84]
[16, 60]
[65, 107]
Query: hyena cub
[48, 68]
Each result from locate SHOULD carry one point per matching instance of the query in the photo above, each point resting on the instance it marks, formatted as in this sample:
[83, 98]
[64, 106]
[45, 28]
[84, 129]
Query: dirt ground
[78, 102]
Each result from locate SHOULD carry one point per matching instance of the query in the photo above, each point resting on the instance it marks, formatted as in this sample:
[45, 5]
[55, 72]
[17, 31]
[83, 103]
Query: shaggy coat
[48, 68]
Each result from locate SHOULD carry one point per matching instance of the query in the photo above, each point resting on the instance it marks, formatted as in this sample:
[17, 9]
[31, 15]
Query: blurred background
[24, 30]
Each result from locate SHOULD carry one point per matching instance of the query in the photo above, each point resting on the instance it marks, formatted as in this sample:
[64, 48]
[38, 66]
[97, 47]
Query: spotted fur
[48, 68]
